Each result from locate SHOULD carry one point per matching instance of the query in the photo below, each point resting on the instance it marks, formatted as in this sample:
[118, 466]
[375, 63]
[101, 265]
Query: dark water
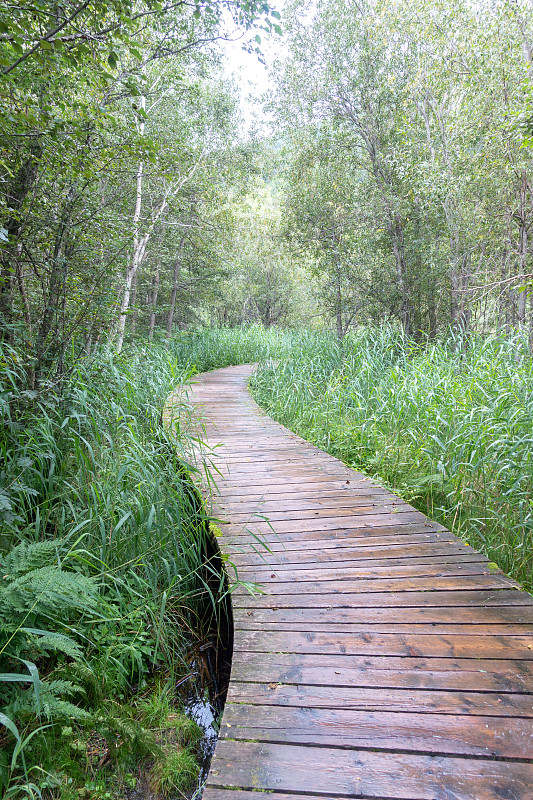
[212, 663]
[207, 716]
[203, 693]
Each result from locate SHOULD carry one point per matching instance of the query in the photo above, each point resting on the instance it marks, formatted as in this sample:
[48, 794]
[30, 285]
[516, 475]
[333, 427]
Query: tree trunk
[338, 301]
[175, 283]
[136, 259]
[398, 247]
[522, 246]
[15, 196]
[133, 305]
[155, 292]
[503, 298]
[56, 285]
[531, 323]
[432, 316]
[465, 311]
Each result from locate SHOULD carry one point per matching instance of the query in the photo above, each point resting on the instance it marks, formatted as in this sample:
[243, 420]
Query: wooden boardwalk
[386, 659]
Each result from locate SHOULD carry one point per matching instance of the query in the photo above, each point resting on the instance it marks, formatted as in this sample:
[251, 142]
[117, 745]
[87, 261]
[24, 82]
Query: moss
[214, 530]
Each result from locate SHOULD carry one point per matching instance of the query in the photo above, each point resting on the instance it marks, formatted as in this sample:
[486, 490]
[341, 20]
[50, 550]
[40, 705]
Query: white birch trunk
[140, 242]
[131, 271]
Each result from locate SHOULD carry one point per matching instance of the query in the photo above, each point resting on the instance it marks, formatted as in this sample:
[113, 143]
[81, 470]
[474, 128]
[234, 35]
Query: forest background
[373, 232]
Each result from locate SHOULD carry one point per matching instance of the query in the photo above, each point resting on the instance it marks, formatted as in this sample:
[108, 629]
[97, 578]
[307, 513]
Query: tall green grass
[102, 548]
[212, 348]
[103, 535]
[449, 426]
[103, 543]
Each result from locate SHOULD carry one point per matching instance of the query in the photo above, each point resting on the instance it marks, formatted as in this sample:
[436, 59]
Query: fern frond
[84, 675]
[52, 704]
[26, 557]
[116, 726]
[48, 641]
[59, 687]
[50, 592]
[61, 710]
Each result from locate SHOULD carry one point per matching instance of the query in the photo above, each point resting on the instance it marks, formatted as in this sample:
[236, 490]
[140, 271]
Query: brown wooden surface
[382, 657]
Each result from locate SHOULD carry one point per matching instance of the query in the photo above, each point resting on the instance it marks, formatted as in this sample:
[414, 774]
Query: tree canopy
[395, 182]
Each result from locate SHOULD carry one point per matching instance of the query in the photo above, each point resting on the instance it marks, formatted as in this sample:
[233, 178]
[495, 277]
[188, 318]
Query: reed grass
[447, 425]
[103, 543]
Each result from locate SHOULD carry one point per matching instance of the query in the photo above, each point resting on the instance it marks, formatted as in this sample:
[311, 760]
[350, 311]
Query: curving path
[386, 659]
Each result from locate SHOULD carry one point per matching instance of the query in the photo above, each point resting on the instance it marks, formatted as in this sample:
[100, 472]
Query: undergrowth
[105, 584]
[447, 425]
[213, 348]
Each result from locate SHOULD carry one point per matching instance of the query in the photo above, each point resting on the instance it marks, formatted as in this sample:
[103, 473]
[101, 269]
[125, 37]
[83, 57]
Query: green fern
[47, 642]
[53, 706]
[26, 557]
[48, 592]
[78, 671]
[125, 734]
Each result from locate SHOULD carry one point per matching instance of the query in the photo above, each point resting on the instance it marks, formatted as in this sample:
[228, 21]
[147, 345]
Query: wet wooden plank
[421, 701]
[382, 657]
[321, 549]
[211, 793]
[434, 615]
[360, 773]
[498, 596]
[439, 734]
[447, 645]
[385, 672]
[341, 576]
[324, 540]
[315, 588]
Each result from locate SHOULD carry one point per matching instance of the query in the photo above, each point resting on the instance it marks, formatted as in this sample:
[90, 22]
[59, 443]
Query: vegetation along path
[385, 659]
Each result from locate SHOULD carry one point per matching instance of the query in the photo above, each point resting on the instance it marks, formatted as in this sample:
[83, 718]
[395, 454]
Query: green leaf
[10, 725]
[34, 672]
[15, 677]
[112, 60]
[258, 38]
